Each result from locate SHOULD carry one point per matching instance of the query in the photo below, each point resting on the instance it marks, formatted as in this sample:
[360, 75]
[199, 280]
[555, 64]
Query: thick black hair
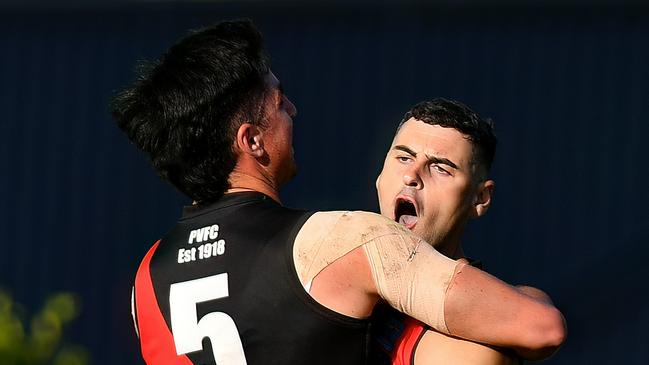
[184, 109]
[453, 114]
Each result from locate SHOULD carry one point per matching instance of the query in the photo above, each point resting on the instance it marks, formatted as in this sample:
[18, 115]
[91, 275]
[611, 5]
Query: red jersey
[394, 336]
[404, 353]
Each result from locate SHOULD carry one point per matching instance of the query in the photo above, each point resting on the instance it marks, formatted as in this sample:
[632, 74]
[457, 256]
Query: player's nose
[411, 177]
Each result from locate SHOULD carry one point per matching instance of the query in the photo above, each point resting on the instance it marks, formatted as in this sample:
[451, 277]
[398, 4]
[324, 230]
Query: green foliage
[43, 343]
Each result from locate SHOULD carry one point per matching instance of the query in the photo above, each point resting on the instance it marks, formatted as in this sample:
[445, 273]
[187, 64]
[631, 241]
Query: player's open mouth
[405, 212]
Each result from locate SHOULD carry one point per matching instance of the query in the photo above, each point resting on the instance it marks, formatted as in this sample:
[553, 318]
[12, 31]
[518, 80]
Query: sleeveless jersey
[221, 288]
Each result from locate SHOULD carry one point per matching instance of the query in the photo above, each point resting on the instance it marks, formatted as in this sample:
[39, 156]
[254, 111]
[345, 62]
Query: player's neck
[458, 253]
[451, 245]
[451, 249]
[455, 248]
[255, 181]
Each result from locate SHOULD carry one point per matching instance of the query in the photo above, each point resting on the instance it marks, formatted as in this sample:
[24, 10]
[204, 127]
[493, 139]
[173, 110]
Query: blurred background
[566, 82]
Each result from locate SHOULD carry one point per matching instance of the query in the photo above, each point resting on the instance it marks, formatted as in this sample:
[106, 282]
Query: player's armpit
[482, 308]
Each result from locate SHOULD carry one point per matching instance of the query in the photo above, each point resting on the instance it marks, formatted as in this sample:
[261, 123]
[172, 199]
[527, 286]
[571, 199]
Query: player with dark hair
[216, 74]
[435, 178]
[242, 279]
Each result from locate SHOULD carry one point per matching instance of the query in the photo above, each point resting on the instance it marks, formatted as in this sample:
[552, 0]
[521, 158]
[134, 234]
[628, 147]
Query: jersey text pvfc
[205, 250]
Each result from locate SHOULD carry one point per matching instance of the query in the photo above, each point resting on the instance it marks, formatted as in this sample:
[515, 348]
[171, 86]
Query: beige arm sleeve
[409, 274]
[412, 276]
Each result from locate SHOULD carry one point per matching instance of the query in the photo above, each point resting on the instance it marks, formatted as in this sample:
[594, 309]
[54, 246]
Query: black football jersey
[221, 288]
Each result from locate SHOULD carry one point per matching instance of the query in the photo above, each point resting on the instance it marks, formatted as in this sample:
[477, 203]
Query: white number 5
[219, 327]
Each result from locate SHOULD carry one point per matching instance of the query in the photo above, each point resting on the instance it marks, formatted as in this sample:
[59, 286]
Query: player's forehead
[433, 140]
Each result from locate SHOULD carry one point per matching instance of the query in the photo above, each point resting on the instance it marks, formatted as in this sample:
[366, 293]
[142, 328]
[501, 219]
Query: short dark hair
[184, 109]
[453, 114]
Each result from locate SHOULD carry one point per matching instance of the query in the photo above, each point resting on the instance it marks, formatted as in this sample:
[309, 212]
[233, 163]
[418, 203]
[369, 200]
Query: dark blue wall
[568, 88]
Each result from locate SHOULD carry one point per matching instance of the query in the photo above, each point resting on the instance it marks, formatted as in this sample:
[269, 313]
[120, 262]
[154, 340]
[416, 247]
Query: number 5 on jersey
[188, 331]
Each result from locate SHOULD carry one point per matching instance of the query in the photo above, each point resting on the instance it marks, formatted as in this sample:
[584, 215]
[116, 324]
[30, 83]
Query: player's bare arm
[411, 276]
[437, 348]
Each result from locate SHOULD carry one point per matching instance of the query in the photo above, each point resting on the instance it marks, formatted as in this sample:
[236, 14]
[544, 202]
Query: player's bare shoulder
[327, 236]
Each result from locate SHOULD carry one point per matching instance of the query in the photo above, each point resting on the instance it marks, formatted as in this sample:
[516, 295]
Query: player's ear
[482, 198]
[249, 140]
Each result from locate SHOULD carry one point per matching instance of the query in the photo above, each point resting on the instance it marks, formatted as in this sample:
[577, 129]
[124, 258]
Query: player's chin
[420, 229]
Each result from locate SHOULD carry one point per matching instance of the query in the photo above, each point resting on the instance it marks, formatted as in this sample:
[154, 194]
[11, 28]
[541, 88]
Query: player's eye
[404, 159]
[439, 169]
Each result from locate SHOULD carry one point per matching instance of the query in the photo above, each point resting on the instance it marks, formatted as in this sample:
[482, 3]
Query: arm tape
[409, 274]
